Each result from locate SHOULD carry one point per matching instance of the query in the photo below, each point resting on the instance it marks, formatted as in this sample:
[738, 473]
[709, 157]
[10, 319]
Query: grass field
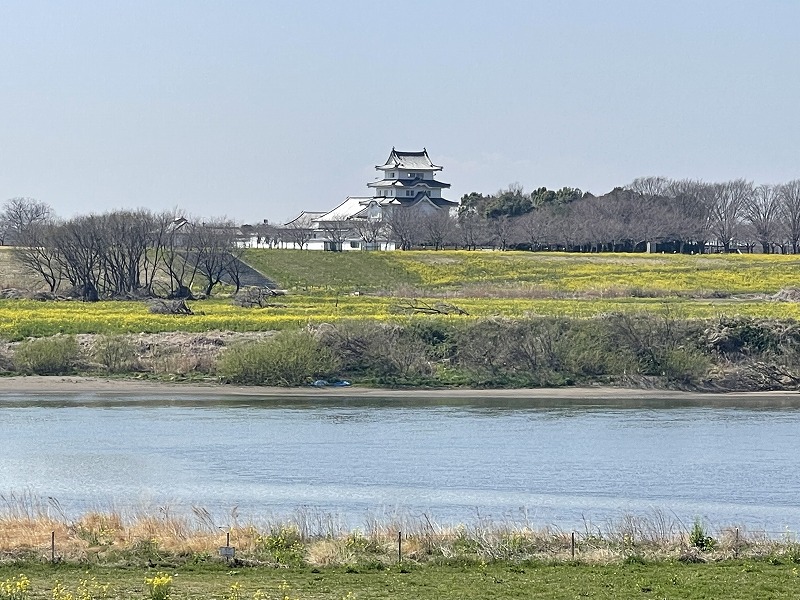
[730, 580]
[536, 273]
[484, 284]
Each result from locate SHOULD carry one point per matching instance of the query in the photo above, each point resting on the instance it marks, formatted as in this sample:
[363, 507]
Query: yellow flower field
[22, 318]
[737, 274]
[464, 272]
[504, 284]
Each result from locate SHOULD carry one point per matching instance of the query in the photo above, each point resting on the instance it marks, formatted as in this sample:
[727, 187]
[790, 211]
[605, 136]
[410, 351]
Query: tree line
[123, 253]
[142, 252]
[651, 212]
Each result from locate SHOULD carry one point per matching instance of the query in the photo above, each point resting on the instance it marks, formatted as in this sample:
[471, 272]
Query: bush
[115, 352]
[512, 352]
[684, 365]
[387, 352]
[588, 352]
[290, 358]
[55, 355]
[699, 539]
[745, 336]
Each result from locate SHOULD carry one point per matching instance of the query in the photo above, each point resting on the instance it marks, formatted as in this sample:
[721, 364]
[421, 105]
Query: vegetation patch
[57, 355]
[291, 358]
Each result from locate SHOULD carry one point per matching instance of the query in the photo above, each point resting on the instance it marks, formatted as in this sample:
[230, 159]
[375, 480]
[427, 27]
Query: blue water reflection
[557, 462]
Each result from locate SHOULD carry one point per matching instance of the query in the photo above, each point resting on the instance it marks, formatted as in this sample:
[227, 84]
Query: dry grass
[26, 526]
[12, 274]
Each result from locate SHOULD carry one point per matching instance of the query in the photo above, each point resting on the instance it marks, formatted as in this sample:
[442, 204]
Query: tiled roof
[349, 208]
[431, 183]
[440, 202]
[409, 160]
[310, 215]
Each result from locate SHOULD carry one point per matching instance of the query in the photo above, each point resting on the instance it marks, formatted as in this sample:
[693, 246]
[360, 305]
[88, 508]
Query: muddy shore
[77, 384]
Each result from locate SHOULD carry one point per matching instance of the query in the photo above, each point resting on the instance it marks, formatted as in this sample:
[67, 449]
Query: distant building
[365, 222]
[408, 180]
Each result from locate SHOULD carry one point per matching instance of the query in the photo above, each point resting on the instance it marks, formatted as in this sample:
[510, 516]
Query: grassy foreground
[164, 555]
[734, 579]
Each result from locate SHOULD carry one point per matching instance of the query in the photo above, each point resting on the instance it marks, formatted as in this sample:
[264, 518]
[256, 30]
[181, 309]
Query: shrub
[699, 538]
[115, 352]
[684, 365]
[386, 351]
[585, 351]
[512, 352]
[282, 546]
[735, 336]
[55, 355]
[290, 358]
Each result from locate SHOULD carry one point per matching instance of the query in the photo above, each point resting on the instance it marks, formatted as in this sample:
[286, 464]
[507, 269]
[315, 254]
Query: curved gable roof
[409, 160]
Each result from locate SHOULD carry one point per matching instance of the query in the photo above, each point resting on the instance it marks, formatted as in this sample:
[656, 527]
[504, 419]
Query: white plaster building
[407, 181]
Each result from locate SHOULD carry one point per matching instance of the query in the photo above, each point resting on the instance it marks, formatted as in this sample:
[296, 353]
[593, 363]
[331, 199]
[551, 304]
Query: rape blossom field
[330, 287]
[465, 273]
[22, 318]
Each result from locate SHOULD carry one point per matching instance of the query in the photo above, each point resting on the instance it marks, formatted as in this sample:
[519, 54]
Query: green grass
[730, 580]
[542, 271]
[306, 270]
[484, 284]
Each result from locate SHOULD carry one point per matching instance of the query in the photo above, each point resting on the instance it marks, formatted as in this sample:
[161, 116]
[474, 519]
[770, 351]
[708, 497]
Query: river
[570, 464]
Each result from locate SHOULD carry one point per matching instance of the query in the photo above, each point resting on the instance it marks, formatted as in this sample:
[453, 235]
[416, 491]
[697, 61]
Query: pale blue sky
[257, 110]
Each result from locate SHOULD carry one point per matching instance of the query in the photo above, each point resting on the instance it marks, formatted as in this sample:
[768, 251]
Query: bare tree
[438, 229]
[689, 219]
[5, 232]
[18, 214]
[404, 224]
[370, 230]
[472, 229]
[504, 231]
[533, 227]
[761, 211]
[789, 197]
[649, 187]
[299, 231]
[336, 233]
[266, 233]
[727, 204]
[215, 253]
[125, 238]
[38, 253]
[80, 253]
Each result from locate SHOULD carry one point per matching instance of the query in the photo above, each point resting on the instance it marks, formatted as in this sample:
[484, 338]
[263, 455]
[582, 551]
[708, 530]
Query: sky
[257, 110]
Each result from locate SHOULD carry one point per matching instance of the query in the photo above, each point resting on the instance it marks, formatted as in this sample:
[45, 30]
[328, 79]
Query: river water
[548, 462]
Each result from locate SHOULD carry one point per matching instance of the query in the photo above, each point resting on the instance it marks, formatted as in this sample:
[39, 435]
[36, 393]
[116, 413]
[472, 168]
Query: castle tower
[408, 179]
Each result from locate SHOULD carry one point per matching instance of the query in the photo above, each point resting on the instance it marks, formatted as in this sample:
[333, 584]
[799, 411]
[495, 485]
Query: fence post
[399, 547]
[573, 545]
[53, 547]
[736, 545]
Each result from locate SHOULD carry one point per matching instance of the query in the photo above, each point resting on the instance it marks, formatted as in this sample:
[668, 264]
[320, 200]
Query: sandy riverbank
[75, 384]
